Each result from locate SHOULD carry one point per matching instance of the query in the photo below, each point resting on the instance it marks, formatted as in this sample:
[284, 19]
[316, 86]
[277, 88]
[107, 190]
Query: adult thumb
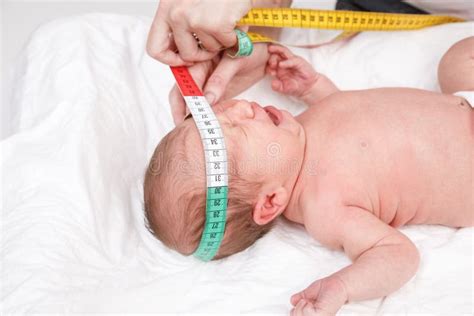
[217, 83]
[178, 107]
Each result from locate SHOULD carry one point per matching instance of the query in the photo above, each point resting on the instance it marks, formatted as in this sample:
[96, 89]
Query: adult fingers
[160, 42]
[177, 104]
[199, 72]
[220, 78]
[188, 47]
[209, 43]
[244, 28]
[227, 38]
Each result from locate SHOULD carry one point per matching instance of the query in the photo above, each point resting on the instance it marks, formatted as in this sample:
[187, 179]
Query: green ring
[245, 45]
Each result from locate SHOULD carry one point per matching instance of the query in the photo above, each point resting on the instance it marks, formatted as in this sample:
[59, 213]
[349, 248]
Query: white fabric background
[92, 107]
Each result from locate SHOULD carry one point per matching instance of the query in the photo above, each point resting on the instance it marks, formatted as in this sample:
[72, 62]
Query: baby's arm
[296, 77]
[383, 260]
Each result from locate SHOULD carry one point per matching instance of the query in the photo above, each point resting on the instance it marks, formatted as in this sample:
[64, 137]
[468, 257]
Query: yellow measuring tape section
[353, 21]
[259, 38]
[350, 22]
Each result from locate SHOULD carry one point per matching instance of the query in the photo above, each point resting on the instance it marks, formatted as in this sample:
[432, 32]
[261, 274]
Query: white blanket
[91, 109]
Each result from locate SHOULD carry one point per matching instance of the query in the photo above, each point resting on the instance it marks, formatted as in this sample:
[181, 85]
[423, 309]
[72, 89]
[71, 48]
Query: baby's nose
[244, 109]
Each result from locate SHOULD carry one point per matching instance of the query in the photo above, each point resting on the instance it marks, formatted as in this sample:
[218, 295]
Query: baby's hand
[292, 74]
[322, 297]
[304, 308]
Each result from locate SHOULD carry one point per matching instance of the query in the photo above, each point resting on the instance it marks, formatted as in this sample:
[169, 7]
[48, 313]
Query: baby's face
[263, 141]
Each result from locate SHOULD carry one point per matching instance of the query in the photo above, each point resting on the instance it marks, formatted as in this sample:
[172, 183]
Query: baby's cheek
[271, 151]
[278, 159]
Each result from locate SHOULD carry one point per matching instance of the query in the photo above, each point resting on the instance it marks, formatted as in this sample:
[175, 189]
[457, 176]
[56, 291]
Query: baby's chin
[291, 124]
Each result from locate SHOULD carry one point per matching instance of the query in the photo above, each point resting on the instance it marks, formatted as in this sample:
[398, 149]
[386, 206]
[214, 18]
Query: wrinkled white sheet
[91, 109]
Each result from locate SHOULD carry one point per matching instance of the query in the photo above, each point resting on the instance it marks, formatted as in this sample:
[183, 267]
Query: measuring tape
[206, 121]
[342, 20]
[350, 22]
[215, 155]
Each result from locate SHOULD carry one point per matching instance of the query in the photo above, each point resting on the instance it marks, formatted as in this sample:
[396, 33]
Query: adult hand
[171, 39]
[222, 78]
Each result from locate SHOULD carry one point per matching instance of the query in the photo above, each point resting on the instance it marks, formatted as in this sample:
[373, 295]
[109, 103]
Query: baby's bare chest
[405, 155]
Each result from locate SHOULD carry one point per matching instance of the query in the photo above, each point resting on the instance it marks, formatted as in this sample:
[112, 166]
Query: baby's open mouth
[274, 114]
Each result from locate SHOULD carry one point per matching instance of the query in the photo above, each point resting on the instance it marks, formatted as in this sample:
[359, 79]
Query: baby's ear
[271, 202]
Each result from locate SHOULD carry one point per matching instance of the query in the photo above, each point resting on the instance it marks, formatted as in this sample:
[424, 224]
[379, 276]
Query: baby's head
[265, 149]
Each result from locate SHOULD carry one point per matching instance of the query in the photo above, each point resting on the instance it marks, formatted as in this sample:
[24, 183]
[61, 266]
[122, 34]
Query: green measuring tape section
[215, 155]
[214, 228]
[244, 45]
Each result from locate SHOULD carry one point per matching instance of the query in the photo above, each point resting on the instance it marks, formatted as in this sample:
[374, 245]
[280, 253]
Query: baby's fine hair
[175, 196]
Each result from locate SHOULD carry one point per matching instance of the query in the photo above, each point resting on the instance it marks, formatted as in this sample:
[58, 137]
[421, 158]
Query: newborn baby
[351, 169]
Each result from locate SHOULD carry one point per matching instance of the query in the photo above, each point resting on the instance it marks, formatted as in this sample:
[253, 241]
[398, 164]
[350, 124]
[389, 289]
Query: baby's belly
[433, 172]
[411, 152]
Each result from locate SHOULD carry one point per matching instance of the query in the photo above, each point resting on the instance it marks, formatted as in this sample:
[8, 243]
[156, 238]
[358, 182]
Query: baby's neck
[294, 210]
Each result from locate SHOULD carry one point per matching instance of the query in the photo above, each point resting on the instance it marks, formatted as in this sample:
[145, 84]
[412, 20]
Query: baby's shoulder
[342, 101]
[324, 205]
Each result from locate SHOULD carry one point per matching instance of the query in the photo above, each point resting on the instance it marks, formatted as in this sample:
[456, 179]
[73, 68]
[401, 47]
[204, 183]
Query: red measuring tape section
[186, 82]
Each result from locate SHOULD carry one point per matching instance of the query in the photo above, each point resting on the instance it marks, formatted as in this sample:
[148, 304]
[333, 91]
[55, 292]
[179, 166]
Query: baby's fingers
[290, 63]
[273, 63]
[298, 310]
[281, 50]
[296, 298]
[310, 310]
[311, 292]
[304, 308]
[277, 86]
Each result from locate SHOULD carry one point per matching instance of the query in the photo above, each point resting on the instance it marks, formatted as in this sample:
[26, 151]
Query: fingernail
[210, 97]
